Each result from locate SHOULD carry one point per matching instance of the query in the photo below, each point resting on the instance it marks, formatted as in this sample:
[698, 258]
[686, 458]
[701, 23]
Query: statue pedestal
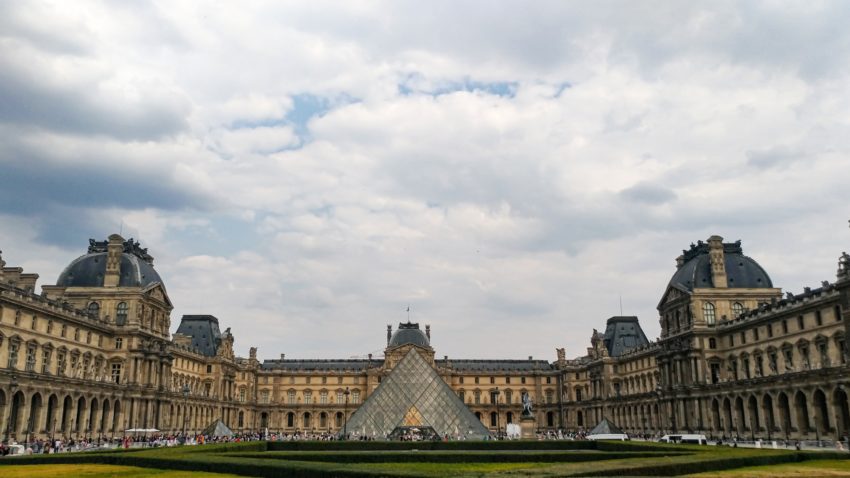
[526, 428]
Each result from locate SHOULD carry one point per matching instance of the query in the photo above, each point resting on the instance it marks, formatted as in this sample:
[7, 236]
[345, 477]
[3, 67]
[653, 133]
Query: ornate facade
[93, 356]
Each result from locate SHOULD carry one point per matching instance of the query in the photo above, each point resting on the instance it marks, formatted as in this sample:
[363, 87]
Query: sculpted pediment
[157, 291]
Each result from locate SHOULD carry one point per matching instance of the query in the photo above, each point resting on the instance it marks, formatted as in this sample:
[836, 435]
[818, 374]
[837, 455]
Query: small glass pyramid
[414, 395]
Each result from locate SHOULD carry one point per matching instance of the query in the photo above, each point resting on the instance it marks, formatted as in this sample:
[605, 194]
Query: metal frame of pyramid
[414, 389]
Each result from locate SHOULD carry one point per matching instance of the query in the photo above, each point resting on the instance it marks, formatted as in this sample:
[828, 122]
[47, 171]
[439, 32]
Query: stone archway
[842, 412]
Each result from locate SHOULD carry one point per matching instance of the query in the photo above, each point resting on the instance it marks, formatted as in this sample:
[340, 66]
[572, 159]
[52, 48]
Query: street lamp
[185, 408]
[13, 384]
[347, 392]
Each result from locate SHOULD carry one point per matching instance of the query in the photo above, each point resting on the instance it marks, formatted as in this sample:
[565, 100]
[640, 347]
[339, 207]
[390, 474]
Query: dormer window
[94, 310]
[708, 313]
[737, 309]
[121, 313]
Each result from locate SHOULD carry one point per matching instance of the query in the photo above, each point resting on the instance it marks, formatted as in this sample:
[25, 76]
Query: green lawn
[101, 471]
[806, 469]
[479, 459]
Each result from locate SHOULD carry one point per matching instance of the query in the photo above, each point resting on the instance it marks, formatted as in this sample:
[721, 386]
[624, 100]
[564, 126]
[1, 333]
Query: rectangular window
[508, 396]
[477, 398]
[86, 362]
[461, 395]
[770, 330]
[492, 380]
[801, 324]
[308, 379]
[45, 361]
[323, 398]
[88, 337]
[715, 372]
[75, 359]
[476, 380]
[355, 396]
[784, 326]
[119, 343]
[746, 364]
[731, 340]
[743, 337]
[549, 396]
[77, 335]
[460, 379]
[30, 367]
[712, 343]
[837, 313]
[324, 379]
[549, 380]
[60, 363]
[64, 331]
[734, 365]
[339, 398]
[841, 353]
[264, 396]
[291, 397]
[116, 372]
[818, 318]
[34, 322]
[508, 380]
[522, 380]
[308, 397]
[339, 379]
[13, 355]
[241, 394]
[756, 334]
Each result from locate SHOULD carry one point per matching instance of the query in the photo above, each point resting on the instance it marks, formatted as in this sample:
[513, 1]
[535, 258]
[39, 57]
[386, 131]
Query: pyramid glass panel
[414, 395]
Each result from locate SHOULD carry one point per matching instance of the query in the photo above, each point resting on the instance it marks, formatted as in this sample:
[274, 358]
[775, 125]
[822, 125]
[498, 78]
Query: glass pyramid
[414, 395]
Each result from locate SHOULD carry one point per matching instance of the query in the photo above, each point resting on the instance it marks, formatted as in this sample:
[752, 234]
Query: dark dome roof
[409, 334]
[89, 270]
[741, 271]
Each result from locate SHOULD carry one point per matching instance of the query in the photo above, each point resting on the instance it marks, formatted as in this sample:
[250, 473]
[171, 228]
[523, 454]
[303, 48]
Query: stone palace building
[93, 356]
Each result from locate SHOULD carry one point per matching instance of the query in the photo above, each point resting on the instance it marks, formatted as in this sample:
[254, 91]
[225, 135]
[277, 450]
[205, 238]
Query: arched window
[121, 313]
[708, 313]
[737, 309]
[94, 310]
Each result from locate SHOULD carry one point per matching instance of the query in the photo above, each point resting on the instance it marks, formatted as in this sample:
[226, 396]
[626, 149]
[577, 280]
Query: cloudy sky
[304, 171]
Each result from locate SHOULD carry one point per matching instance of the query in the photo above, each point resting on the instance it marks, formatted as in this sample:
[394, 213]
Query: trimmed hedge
[429, 445]
[451, 457]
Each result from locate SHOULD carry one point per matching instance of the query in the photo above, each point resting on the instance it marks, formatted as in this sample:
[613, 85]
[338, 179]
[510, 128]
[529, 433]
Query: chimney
[283, 356]
[718, 262]
[389, 333]
[113, 261]
[428, 331]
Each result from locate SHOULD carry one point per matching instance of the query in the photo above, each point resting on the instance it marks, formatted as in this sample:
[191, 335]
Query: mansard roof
[463, 365]
[623, 334]
[206, 336]
[335, 365]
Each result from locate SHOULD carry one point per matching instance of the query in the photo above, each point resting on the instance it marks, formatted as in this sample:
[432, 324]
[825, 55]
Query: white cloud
[306, 170]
